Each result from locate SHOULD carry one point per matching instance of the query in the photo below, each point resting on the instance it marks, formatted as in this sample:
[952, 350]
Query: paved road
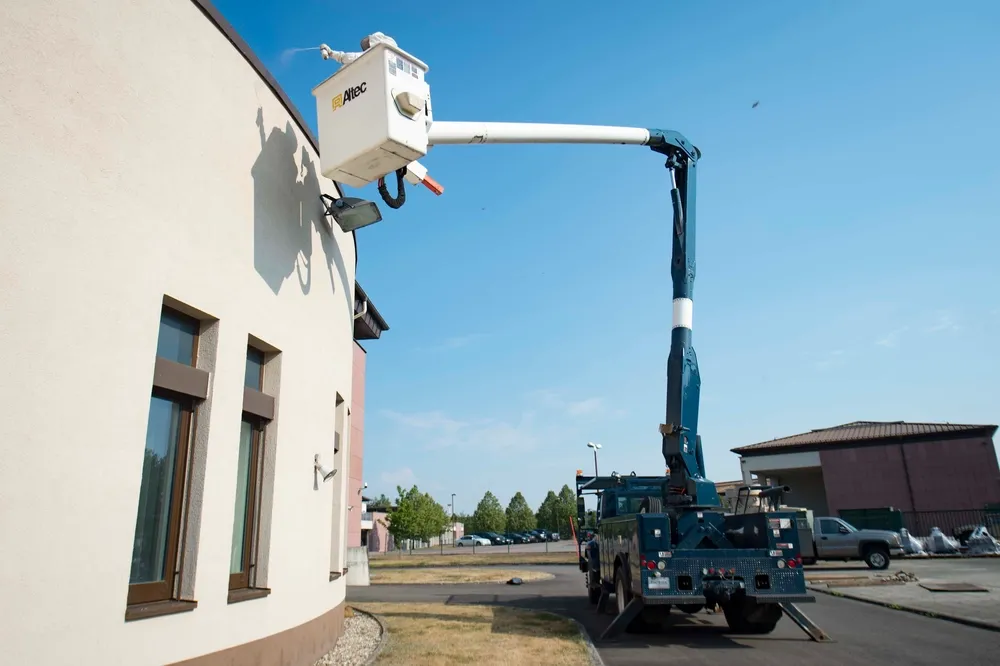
[863, 634]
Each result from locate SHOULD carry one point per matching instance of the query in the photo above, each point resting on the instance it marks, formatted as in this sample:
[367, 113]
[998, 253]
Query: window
[341, 423]
[254, 376]
[258, 412]
[177, 389]
[155, 545]
[245, 510]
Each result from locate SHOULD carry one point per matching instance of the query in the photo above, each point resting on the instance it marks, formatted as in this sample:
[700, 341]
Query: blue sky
[847, 228]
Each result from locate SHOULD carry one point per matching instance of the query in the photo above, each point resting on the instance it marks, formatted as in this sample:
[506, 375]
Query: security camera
[323, 471]
[365, 486]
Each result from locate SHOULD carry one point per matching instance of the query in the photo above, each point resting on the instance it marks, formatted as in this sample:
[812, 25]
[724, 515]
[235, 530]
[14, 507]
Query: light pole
[595, 447]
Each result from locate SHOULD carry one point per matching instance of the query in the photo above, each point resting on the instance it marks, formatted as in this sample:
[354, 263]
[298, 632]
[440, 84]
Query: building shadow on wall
[286, 208]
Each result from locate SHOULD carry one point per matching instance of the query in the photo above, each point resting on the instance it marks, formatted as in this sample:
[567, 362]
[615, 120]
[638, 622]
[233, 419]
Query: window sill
[334, 575]
[157, 609]
[247, 593]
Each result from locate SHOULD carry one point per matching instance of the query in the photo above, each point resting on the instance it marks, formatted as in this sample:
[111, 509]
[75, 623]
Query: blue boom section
[681, 445]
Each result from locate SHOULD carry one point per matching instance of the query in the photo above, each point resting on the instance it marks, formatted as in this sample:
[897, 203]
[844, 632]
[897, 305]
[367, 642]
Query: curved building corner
[180, 326]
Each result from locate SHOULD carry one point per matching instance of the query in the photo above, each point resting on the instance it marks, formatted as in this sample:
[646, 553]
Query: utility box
[373, 116]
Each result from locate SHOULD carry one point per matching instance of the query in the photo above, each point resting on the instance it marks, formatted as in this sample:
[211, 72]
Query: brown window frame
[185, 385]
[144, 593]
[245, 579]
[259, 412]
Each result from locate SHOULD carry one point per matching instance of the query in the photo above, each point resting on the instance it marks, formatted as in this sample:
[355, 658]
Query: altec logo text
[349, 94]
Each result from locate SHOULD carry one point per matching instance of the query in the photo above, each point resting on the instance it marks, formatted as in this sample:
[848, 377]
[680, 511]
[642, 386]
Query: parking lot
[562, 546]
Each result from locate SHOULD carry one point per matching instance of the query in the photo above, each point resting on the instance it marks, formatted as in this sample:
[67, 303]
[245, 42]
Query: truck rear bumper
[686, 599]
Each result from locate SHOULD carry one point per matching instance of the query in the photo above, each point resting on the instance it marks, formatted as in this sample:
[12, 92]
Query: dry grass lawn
[432, 575]
[479, 559]
[440, 635]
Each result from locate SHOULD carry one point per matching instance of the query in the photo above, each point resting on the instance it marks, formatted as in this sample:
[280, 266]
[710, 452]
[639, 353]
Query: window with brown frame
[258, 411]
[178, 387]
[246, 511]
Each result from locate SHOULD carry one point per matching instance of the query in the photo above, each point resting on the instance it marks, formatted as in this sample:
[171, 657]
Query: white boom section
[446, 132]
[375, 117]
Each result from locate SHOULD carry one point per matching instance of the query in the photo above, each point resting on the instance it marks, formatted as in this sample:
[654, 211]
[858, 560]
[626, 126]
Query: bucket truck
[662, 542]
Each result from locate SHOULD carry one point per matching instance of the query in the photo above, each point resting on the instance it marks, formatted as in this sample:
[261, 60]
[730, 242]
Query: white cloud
[891, 339]
[583, 407]
[435, 431]
[403, 476]
[831, 359]
[555, 401]
[943, 321]
[455, 342]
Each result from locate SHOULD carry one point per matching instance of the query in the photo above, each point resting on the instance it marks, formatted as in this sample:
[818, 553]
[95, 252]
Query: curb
[383, 636]
[957, 619]
[592, 653]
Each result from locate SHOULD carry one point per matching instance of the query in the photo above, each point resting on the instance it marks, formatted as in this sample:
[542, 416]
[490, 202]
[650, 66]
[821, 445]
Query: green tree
[565, 509]
[520, 517]
[546, 517]
[489, 515]
[417, 516]
[381, 503]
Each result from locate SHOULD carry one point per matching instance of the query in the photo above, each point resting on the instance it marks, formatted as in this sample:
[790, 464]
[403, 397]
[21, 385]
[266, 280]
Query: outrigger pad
[623, 619]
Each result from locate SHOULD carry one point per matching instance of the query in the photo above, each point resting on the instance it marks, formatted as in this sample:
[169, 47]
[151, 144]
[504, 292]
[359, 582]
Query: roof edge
[970, 431]
[371, 323]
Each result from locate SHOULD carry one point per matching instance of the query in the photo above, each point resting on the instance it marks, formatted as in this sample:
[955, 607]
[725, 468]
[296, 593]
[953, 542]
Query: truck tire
[623, 595]
[876, 556]
[593, 586]
[746, 616]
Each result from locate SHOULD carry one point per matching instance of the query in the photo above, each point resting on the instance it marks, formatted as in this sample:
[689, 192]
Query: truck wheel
[877, 556]
[746, 616]
[622, 594]
[593, 587]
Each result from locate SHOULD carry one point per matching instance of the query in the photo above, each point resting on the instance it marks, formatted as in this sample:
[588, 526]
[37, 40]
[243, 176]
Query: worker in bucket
[368, 42]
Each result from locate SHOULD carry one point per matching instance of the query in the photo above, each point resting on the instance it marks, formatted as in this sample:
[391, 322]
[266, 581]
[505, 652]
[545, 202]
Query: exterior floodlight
[351, 213]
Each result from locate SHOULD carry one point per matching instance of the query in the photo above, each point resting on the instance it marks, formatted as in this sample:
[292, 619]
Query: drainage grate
[952, 587]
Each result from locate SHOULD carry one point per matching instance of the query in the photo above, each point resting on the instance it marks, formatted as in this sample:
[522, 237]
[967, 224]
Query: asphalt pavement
[862, 633]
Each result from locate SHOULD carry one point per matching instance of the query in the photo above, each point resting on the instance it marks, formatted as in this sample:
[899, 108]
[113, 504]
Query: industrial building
[916, 468]
[179, 320]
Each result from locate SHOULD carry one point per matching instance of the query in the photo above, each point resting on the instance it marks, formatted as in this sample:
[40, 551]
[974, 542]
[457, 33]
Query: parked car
[496, 539]
[517, 537]
[472, 540]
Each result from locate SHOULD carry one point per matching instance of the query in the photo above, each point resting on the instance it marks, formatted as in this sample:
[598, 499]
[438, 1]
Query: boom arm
[681, 445]
[375, 118]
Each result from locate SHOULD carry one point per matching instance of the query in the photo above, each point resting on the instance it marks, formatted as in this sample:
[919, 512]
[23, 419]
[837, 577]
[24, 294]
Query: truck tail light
[792, 563]
[650, 564]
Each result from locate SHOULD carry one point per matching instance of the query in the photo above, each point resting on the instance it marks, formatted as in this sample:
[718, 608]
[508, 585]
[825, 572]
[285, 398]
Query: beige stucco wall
[133, 167]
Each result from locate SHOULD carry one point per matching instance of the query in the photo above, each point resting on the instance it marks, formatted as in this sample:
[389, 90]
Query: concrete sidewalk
[978, 609]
